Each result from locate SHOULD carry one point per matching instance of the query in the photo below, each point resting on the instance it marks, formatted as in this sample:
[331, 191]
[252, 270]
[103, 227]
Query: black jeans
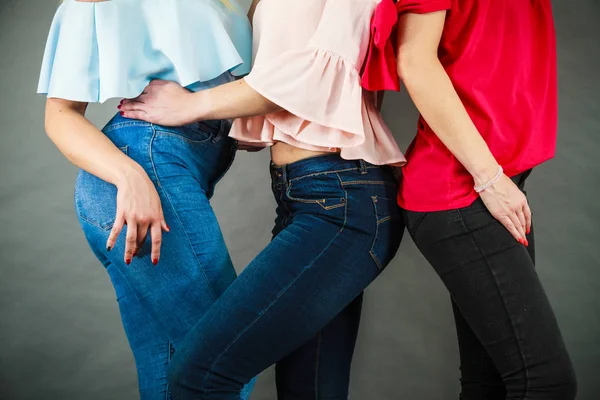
[509, 340]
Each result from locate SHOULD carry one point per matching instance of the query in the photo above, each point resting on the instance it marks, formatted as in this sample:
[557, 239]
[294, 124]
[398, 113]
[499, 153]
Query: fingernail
[526, 243]
[119, 106]
[168, 227]
[521, 241]
[122, 113]
[121, 102]
[155, 261]
[108, 248]
[528, 231]
[134, 253]
[128, 261]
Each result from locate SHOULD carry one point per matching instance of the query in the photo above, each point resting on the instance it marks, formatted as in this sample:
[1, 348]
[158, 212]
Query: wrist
[485, 173]
[198, 109]
[130, 172]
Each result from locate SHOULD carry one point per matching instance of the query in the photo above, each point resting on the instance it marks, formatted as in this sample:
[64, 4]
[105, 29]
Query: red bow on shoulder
[379, 72]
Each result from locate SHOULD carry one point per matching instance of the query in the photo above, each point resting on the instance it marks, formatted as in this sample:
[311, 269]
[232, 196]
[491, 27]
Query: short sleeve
[112, 49]
[422, 6]
[312, 79]
[379, 72]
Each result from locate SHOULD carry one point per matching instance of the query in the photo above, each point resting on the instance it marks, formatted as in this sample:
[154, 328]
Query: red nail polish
[134, 253]
[526, 243]
[155, 261]
[521, 241]
[121, 102]
[119, 106]
[122, 113]
[128, 261]
[528, 231]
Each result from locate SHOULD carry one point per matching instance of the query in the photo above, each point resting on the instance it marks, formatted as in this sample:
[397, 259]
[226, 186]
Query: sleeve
[309, 78]
[112, 49]
[379, 72]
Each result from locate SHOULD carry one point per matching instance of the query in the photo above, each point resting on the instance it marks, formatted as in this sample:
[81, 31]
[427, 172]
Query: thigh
[307, 275]
[195, 266]
[152, 350]
[492, 280]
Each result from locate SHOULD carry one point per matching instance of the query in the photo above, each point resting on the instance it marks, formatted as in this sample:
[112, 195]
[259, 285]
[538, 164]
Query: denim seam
[319, 336]
[187, 237]
[241, 334]
[186, 139]
[168, 392]
[104, 227]
[152, 158]
[363, 182]
[331, 172]
[371, 252]
[125, 124]
[462, 221]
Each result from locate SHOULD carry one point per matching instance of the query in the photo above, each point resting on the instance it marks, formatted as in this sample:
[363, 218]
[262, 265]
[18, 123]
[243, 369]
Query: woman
[483, 75]
[337, 226]
[142, 175]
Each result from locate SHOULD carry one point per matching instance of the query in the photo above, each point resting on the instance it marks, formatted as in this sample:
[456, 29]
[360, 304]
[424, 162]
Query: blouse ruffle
[319, 87]
[113, 49]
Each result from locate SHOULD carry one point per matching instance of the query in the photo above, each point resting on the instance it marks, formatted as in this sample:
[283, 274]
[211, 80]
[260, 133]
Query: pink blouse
[308, 55]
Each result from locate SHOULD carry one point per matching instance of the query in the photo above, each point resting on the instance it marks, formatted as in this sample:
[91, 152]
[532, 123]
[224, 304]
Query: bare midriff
[283, 153]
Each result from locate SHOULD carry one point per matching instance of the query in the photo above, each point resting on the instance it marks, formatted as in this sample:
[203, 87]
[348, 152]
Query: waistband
[328, 163]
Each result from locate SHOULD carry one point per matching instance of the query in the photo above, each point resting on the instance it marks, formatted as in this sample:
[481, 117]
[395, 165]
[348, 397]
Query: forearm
[229, 101]
[84, 145]
[436, 99]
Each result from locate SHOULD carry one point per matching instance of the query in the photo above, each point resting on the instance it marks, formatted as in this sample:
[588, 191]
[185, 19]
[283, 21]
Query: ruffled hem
[113, 49]
[320, 92]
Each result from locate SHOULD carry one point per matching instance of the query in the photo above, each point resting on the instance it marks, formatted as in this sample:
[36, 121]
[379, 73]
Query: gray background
[60, 332]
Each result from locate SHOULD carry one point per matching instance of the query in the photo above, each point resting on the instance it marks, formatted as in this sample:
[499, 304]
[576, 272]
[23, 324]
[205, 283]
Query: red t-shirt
[501, 58]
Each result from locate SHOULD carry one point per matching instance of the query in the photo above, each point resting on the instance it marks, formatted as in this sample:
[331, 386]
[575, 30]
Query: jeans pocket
[388, 232]
[324, 190]
[96, 200]
[197, 133]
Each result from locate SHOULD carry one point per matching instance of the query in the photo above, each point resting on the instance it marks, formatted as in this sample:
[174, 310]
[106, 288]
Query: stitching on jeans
[317, 365]
[168, 391]
[371, 252]
[187, 238]
[330, 172]
[258, 317]
[462, 221]
[152, 158]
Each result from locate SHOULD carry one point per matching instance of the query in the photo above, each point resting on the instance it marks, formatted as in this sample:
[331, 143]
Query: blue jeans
[337, 227]
[159, 305]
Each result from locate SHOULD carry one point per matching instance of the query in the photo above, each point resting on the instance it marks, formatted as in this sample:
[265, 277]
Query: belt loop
[284, 171]
[363, 167]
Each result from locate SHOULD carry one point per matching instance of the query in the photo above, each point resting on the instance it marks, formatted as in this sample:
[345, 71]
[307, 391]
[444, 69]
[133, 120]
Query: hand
[138, 207]
[508, 204]
[162, 102]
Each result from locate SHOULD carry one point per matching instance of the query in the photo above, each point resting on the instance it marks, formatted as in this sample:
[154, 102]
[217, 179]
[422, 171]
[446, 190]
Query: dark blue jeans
[509, 340]
[337, 227]
[159, 305]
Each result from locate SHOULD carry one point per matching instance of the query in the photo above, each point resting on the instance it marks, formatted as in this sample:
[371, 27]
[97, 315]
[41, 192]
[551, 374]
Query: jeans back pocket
[96, 200]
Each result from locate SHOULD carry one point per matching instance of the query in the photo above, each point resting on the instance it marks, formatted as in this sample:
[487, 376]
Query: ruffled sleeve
[380, 71]
[112, 49]
[313, 75]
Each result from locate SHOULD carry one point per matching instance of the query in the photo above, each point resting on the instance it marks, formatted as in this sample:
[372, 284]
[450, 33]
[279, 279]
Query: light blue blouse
[113, 49]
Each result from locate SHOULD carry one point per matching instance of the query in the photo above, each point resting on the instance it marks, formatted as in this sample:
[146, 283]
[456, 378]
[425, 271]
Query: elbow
[412, 64]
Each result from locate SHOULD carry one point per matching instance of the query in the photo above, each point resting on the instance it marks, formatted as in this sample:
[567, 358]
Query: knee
[559, 382]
